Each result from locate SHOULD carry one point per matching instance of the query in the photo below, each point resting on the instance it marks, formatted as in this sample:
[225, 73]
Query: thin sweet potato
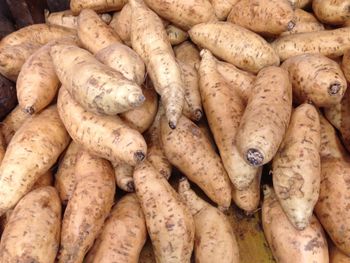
[124, 176]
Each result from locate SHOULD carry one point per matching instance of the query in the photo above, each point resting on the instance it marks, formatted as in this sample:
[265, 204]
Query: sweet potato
[31, 152]
[300, 3]
[2, 146]
[93, 33]
[224, 121]
[297, 166]
[331, 208]
[187, 53]
[169, 221]
[125, 60]
[8, 99]
[105, 136]
[330, 43]
[88, 207]
[287, 243]
[65, 177]
[103, 91]
[123, 235]
[266, 117]
[124, 176]
[346, 64]
[214, 237]
[147, 253]
[100, 6]
[175, 35]
[32, 233]
[331, 12]
[159, 58]
[121, 23]
[190, 151]
[235, 44]
[316, 78]
[222, 8]
[266, 17]
[336, 256]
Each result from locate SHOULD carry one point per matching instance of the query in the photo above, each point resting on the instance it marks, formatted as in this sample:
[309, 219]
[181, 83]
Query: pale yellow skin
[65, 178]
[222, 8]
[150, 41]
[297, 166]
[32, 233]
[176, 35]
[93, 33]
[169, 222]
[184, 14]
[330, 43]
[235, 44]
[224, 121]
[97, 87]
[88, 207]
[288, 244]
[100, 6]
[336, 256]
[105, 136]
[266, 117]
[266, 17]
[334, 12]
[300, 3]
[147, 253]
[190, 151]
[31, 152]
[125, 60]
[121, 23]
[187, 53]
[123, 235]
[332, 206]
[316, 78]
[214, 237]
[346, 64]
[124, 176]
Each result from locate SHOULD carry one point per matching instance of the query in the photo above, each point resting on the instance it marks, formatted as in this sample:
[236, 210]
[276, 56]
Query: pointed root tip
[30, 110]
[334, 88]
[172, 125]
[139, 156]
[254, 157]
[198, 114]
[136, 99]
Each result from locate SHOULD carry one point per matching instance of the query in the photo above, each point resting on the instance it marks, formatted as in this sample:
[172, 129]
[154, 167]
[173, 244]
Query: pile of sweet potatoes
[176, 131]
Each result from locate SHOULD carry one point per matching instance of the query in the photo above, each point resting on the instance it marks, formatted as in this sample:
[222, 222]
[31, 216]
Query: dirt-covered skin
[332, 208]
[100, 6]
[33, 150]
[96, 87]
[224, 120]
[88, 207]
[124, 176]
[105, 136]
[346, 64]
[316, 78]
[330, 43]
[288, 244]
[169, 222]
[65, 177]
[334, 12]
[150, 41]
[266, 117]
[336, 256]
[187, 53]
[93, 33]
[297, 166]
[190, 151]
[266, 17]
[222, 8]
[235, 45]
[123, 235]
[215, 240]
[32, 233]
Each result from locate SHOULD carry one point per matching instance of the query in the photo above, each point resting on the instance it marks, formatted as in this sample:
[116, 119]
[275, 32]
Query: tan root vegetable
[235, 44]
[121, 23]
[99, 6]
[287, 243]
[187, 53]
[13, 122]
[304, 22]
[192, 12]
[336, 256]
[316, 78]
[297, 167]
[267, 17]
[124, 176]
[169, 221]
[106, 136]
[332, 206]
[190, 151]
[266, 117]
[123, 235]
[332, 12]
[31, 152]
[214, 237]
[155, 153]
[149, 40]
[222, 8]
[65, 176]
[224, 121]
[88, 207]
[330, 43]
[300, 3]
[45, 180]
[346, 64]
[96, 87]
[147, 253]
[176, 35]
[94, 33]
[32, 233]
[125, 60]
